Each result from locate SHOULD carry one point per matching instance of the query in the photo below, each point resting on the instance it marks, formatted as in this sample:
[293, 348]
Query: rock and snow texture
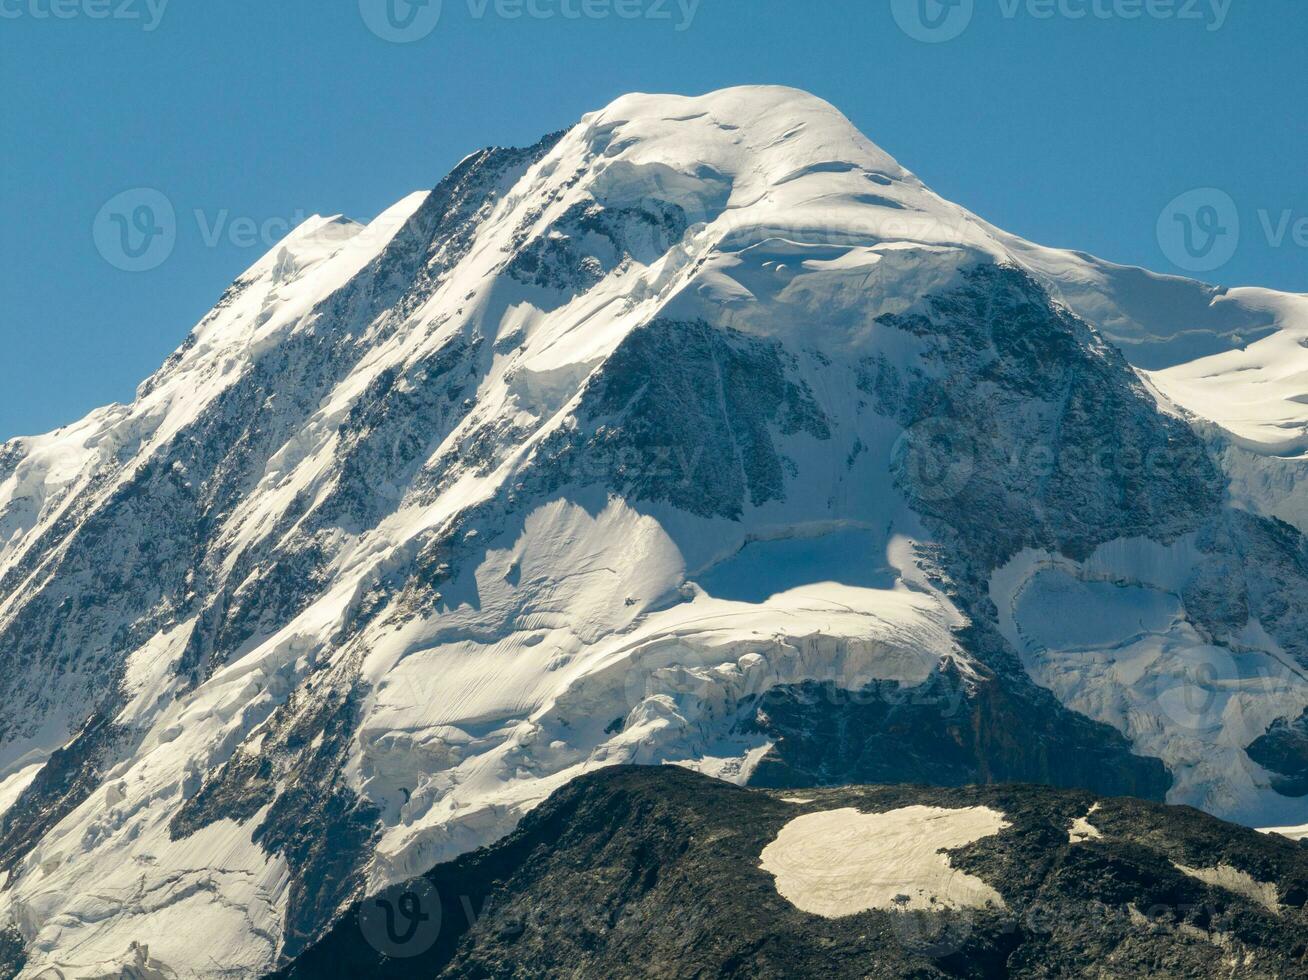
[672, 860]
[647, 443]
[842, 862]
[1294, 833]
[1265, 893]
[1233, 361]
[1083, 830]
[1113, 637]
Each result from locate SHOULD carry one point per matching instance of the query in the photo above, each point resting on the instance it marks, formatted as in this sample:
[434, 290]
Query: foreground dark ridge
[654, 872]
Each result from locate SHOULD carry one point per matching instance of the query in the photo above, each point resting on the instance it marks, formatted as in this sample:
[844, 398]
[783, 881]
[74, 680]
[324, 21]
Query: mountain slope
[661, 873]
[700, 433]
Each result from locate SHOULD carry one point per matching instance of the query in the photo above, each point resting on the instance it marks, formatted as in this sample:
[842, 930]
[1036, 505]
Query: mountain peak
[772, 121]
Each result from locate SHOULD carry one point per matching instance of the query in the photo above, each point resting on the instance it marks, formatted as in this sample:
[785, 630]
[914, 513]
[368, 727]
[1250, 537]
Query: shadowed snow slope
[702, 433]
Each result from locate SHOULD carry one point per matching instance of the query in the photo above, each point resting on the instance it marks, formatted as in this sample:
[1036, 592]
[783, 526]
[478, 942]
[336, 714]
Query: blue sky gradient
[1070, 122]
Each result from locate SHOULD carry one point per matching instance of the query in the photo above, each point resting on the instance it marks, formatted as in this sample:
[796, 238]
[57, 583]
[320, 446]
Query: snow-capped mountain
[702, 432]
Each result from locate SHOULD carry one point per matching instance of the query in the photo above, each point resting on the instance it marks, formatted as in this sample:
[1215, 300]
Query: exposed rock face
[656, 872]
[12, 954]
[703, 433]
[685, 398]
[946, 733]
[1283, 750]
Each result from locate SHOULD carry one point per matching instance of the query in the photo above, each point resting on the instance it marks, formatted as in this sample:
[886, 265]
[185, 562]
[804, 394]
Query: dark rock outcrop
[655, 873]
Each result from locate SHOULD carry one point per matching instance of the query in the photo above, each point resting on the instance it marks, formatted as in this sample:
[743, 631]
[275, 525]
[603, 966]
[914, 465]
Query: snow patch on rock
[1265, 893]
[1294, 833]
[842, 862]
[1083, 830]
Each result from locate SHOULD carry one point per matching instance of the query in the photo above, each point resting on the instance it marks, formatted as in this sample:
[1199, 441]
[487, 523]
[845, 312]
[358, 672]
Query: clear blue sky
[1069, 131]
